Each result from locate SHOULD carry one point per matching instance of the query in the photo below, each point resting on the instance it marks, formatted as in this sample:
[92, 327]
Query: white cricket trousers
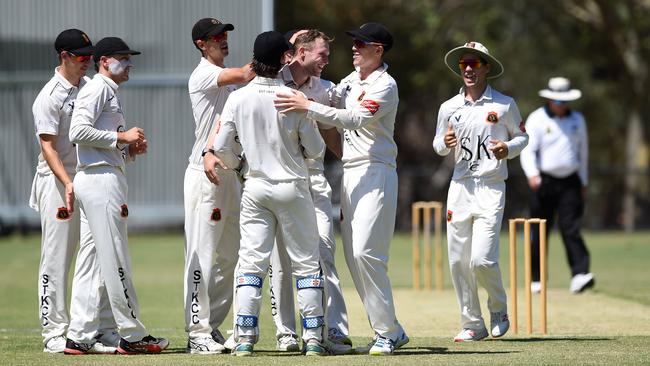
[368, 205]
[475, 211]
[211, 246]
[58, 241]
[280, 278]
[271, 208]
[102, 196]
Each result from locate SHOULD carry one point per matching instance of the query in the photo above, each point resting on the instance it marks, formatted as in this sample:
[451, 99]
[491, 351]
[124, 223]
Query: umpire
[555, 163]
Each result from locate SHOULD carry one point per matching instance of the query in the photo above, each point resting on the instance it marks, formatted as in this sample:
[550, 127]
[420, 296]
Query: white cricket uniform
[276, 199]
[211, 214]
[101, 189]
[280, 279]
[565, 147]
[476, 196]
[369, 189]
[52, 111]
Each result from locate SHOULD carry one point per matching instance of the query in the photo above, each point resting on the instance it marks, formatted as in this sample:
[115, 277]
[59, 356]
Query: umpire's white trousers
[58, 241]
[269, 208]
[280, 279]
[102, 197]
[475, 211]
[211, 245]
[368, 205]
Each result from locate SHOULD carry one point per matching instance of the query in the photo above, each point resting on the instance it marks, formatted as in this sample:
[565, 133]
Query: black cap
[209, 27]
[74, 41]
[112, 46]
[269, 47]
[373, 32]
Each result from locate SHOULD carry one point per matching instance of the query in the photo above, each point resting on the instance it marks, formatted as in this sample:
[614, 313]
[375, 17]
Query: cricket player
[103, 145]
[211, 211]
[53, 191]
[310, 56]
[482, 127]
[369, 99]
[276, 198]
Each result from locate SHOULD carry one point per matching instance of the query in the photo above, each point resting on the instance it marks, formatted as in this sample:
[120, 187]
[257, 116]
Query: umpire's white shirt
[96, 120]
[558, 145]
[250, 116]
[492, 116]
[367, 117]
[207, 99]
[52, 110]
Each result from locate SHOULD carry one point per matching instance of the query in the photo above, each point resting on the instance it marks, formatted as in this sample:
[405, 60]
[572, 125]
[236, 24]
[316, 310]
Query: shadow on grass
[411, 351]
[553, 339]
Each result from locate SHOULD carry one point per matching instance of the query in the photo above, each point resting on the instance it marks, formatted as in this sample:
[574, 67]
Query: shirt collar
[61, 79]
[108, 81]
[487, 94]
[267, 81]
[373, 75]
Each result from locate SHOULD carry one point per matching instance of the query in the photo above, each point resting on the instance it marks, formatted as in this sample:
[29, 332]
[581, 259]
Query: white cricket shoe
[204, 346]
[55, 344]
[471, 335]
[499, 324]
[382, 347]
[581, 282]
[535, 287]
[287, 343]
[230, 343]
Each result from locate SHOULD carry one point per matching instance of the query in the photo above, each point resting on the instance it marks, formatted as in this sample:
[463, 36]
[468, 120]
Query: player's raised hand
[69, 196]
[133, 135]
[499, 149]
[450, 137]
[210, 164]
[139, 148]
[291, 101]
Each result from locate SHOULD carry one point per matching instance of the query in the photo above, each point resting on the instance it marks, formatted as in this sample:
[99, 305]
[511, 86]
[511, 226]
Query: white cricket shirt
[96, 120]
[367, 117]
[208, 99]
[558, 146]
[275, 144]
[492, 116]
[315, 89]
[52, 111]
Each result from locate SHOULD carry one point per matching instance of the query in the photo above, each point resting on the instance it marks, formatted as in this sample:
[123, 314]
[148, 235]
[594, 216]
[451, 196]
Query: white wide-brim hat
[452, 57]
[559, 88]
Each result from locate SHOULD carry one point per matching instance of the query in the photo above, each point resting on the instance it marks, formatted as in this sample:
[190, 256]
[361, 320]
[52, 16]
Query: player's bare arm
[236, 75]
[51, 156]
[133, 135]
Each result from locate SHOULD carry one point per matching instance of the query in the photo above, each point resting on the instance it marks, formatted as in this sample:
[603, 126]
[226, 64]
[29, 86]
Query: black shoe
[74, 348]
[147, 344]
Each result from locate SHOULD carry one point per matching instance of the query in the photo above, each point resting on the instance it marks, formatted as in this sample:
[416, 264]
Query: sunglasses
[362, 44]
[559, 102]
[218, 37]
[80, 58]
[473, 63]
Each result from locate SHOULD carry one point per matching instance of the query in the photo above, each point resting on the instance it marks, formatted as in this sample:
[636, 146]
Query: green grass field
[608, 325]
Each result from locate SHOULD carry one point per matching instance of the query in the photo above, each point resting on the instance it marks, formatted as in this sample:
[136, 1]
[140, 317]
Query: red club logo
[371, 106]
[62, 213]
[125, 210]
[216, 215]
[522, 127]
[449, 215]
[492, 117]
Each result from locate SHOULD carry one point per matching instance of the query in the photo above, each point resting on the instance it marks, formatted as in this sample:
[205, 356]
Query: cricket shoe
[471, 335]
[315, 348]
[581, 282]
[338, 343]
[401, 340]
[382, 347]
[230, 343]
[78, 348]
[243, 349]
[218, 337]
[287, 343]
[55, 344]
[499, 324]
[147, 344]
[111, 339]
[204, 346]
